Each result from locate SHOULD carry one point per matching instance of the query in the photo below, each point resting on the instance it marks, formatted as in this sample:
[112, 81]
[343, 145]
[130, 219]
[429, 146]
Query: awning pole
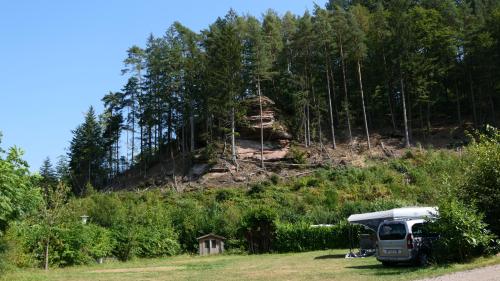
[350, 239]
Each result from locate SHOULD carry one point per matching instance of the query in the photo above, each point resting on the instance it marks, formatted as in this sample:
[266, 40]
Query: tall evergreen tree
[86, 154]
[224, 47]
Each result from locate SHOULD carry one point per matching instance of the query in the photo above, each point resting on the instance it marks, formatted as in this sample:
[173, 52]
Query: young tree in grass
[51, 214]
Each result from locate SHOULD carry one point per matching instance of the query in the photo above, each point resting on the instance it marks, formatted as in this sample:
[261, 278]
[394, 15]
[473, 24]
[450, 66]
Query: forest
[348, 69]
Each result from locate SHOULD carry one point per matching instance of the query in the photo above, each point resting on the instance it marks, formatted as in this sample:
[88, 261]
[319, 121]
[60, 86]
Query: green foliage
[482, 176]
[71, 243]
[258, 227]
[463, 234]
[297, 155]
[18, 192]
[87, 154]
[141, 226]
[301, 237]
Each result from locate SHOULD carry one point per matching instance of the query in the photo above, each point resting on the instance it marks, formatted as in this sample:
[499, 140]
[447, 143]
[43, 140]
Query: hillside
[283, 158]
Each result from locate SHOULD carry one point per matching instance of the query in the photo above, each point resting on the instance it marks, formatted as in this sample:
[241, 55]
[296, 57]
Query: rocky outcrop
[273, 128]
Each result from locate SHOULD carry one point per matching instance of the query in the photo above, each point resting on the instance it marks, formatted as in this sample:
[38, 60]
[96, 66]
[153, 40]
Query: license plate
[392, 251]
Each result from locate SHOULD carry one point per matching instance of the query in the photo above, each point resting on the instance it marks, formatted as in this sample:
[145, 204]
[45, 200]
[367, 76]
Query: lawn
[319, 265]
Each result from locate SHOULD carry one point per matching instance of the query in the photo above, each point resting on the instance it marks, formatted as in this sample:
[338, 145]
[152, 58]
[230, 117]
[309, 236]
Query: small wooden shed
[211, 244]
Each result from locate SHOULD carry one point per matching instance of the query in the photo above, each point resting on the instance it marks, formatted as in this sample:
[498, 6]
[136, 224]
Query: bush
[463, 234]
[258, 227]
[302, 237]
[70, 244]
[482, 176]
[297, 155]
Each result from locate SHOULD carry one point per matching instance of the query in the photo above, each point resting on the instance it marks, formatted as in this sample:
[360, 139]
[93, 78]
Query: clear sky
[59, 57]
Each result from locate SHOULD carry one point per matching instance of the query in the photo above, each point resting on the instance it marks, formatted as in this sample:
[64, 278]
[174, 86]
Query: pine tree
[224, 50]
[358, 19]
[135, 62]
[86, 154]
[259, 66]
[48, 177]
[341, 29]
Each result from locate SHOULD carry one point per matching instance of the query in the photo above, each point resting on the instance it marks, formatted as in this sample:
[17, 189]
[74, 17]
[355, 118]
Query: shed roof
[211, 235]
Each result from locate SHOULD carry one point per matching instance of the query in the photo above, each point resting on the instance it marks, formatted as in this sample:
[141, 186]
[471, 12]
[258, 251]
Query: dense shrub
[482, 176]
[259, 229]
[70, 243]
[297, 155]
[302, 237]
[463, 234]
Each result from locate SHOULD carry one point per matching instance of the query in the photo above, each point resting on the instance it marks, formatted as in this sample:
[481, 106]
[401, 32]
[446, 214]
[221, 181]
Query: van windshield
[392, 231]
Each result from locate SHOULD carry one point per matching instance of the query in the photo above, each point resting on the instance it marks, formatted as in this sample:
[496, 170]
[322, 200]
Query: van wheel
[423, 259]
[388, 263]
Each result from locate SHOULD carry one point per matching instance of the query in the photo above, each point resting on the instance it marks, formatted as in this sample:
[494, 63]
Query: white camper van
[400, 236]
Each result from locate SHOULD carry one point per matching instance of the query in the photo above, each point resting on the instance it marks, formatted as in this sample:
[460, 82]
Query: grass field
[319, 265]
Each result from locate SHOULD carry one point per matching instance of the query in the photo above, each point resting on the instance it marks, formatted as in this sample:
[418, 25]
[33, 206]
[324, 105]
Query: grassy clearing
[318, 265]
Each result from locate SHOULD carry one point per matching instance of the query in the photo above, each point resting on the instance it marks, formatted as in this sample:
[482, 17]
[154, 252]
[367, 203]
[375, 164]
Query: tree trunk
[46, 255]
[172, 158]
[387, 85]
[332, 127]
[363, 105]
[233, 142]
[308, 125]
[261, 126]
[191, 127]
[117, 152]
[334, 100]
[428, 118]
[305, 126]
[405, 119]
[133, 130]
[492, 105]
[345, 92]
[457, 99]
[473, 104]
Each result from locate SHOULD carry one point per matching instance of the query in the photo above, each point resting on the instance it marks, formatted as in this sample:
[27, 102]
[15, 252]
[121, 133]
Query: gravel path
[489, 273]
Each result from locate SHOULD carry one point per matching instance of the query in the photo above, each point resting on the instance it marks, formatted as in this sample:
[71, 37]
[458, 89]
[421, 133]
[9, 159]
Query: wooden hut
[211, 244]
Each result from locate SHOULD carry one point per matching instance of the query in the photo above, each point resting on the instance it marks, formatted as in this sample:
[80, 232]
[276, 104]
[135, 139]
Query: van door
[392, 240]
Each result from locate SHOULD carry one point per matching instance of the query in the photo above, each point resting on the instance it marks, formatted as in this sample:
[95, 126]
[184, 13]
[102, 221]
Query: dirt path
[489, 273]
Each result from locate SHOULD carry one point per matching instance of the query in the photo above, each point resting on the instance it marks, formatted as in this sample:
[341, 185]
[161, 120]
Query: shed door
[207, 246]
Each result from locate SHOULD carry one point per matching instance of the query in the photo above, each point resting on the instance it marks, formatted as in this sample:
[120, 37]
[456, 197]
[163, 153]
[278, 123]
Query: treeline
[368, 64]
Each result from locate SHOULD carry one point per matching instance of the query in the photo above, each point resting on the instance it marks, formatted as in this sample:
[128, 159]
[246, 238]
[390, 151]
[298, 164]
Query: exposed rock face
[273, 129]
[248, 149]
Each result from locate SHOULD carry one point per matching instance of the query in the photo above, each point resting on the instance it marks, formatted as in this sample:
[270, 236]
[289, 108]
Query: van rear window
[393, 231]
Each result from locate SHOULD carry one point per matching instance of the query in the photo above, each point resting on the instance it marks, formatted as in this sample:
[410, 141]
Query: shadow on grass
[379, 269]
[339, 256]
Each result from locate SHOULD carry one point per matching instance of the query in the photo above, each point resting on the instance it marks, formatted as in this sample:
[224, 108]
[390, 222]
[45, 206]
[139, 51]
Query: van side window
[392, 231]
[418, 230]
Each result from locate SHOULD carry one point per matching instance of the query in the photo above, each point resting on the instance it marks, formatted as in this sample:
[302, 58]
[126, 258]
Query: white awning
[372, 220]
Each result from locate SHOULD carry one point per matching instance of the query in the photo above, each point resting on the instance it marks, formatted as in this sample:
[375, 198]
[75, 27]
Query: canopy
[372, 220]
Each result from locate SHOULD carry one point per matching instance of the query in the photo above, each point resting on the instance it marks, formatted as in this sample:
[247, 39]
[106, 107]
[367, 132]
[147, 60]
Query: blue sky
[59, 57]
